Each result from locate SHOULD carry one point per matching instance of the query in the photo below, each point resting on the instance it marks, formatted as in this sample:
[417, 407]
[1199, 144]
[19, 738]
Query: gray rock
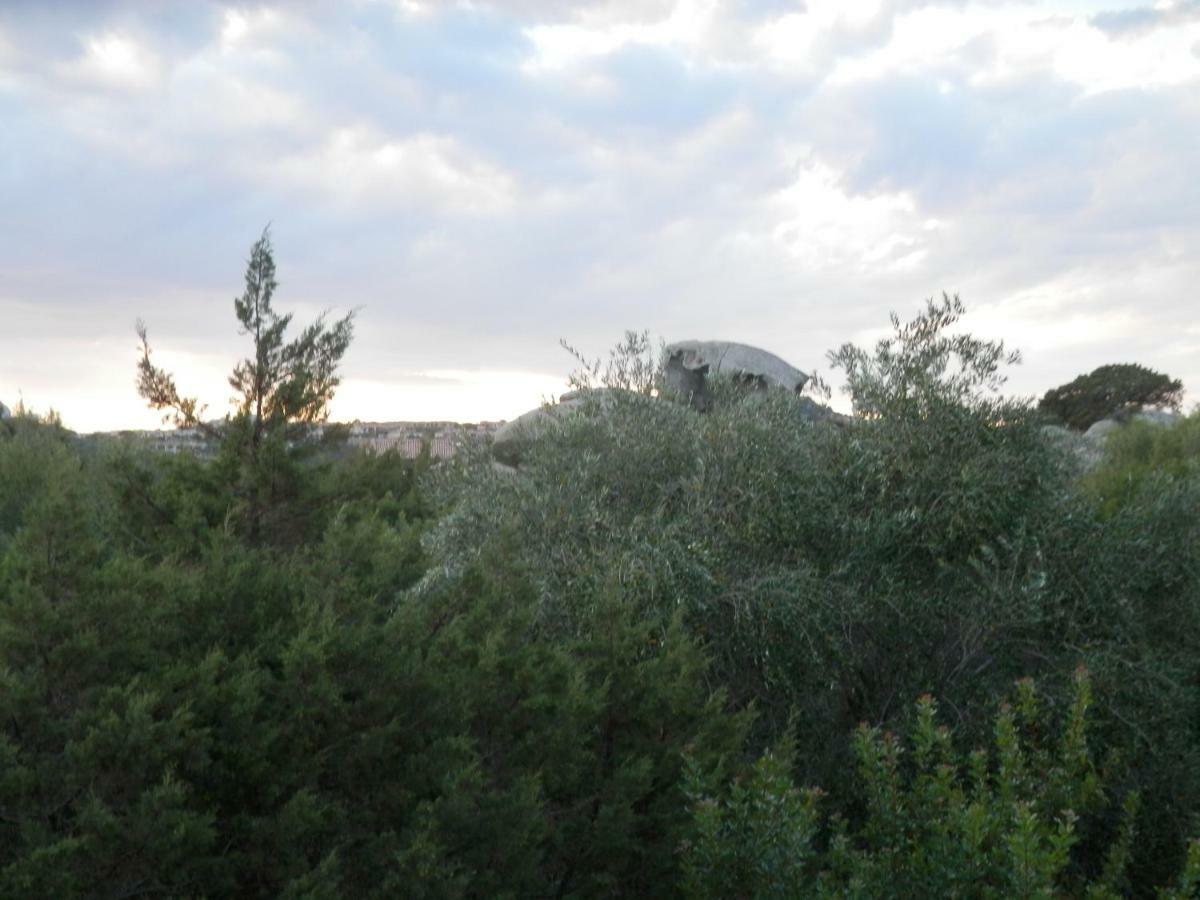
[4, 412]
[1162, 417]
[1102, 429]
[511, 439]
[689, 363]
[1087, 452]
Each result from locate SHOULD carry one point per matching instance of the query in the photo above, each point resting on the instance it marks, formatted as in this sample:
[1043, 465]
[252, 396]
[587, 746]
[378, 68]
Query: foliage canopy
[674, 654]
[1108, 390]
[283, 389]
[283, 386]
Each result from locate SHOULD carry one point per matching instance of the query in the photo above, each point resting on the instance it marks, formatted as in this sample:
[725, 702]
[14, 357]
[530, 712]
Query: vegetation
[669, 656]
[1107, 391]
[934, 823]
[282, 391]
[1143, 459]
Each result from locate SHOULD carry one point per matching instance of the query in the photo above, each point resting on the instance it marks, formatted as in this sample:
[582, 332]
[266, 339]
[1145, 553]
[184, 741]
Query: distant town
[409, 439]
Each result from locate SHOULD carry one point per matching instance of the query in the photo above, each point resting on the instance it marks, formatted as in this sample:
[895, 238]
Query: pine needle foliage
[282, 393]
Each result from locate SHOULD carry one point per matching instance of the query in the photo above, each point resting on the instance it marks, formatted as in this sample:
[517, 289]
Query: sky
[480, 180]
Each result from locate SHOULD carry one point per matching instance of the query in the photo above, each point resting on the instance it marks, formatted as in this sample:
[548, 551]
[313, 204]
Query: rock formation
[1105, 427]
[689, 364]
[1088, 446]
[511, 438]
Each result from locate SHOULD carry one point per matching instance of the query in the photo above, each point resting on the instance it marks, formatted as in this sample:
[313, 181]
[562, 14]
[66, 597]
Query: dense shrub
[829, 570]
[212, 718]
[930, 822]
[1145, 456]
[473, 681]
[938, 543]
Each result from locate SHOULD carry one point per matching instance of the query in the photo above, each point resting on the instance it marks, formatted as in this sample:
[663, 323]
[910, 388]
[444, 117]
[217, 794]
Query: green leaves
[1145, 460]
[283, 389]
[283, 383]
[759, 841]
[265, 675]
[923, 366]
[931, 822]
[1109, 390]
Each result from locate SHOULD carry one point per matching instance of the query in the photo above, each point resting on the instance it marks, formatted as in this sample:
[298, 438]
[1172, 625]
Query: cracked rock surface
[689, 363]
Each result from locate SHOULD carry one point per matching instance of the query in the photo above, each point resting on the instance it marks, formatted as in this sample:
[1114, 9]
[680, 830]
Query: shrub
[929, 821]
[1142, 453]
[830, 571]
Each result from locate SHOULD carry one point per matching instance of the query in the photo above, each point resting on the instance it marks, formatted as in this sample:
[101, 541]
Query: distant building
[409, 439]
[178, 440]
[406, 438]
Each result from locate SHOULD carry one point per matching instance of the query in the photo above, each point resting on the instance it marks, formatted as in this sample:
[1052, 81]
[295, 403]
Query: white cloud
[823, 226]
[256, 33]
[924, 38]
[235, 28]
[1062, 312]
[361, 168]
[806, 41]
[1012, 42]
[430, 163]
[561, 45]
[595, 12]
[457, 395]
[114, 60]
[1091, 58]
[209, 97]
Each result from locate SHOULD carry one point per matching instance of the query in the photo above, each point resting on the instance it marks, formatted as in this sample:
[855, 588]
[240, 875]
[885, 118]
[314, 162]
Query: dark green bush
[930, 821]
[938, 543]
[471, 681]
[830, 570]
[1140, 454]
[1108, 390]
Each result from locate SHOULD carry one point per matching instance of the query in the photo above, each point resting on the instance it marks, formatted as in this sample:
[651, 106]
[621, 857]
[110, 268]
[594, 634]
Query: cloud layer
[483, 178]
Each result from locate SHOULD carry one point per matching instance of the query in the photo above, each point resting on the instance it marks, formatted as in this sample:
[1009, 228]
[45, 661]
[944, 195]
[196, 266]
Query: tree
[1108, 390]
[283, 388]
[922, 367]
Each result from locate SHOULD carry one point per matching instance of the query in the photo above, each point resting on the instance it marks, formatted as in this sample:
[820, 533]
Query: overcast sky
[482, 179]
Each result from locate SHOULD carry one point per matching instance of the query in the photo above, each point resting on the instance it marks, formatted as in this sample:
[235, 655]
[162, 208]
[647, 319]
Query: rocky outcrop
[686, 369]
[511, 438]
[1102, 429]
[689, 364]
[1105, 427]
[1088, 446]
[1088, 451]
[1162, 417]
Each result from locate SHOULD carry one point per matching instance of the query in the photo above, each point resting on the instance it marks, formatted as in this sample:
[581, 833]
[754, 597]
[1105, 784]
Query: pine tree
[283, 390]
[1108, 390]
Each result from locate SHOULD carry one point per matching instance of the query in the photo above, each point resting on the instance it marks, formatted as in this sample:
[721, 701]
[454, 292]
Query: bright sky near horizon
[483, 178]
